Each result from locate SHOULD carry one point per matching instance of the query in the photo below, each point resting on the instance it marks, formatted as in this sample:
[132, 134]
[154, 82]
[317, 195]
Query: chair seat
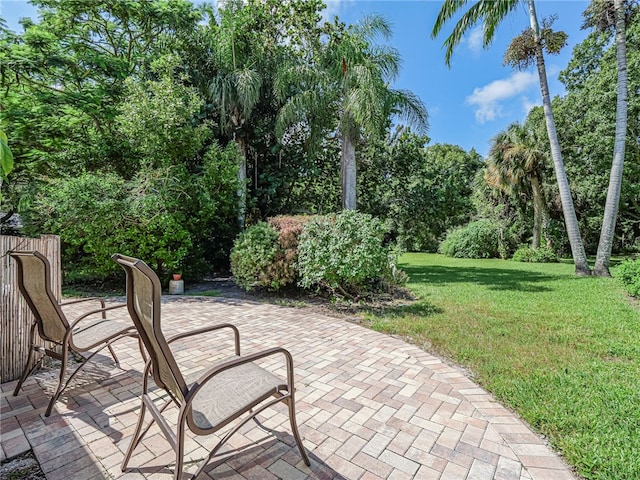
[231, 392]
[97, 332]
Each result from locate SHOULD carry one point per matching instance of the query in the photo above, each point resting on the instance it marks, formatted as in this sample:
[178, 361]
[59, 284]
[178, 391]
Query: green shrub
[345, 253]
[289, 229]
[525, 253]
[97, 215]
[479, 239]
[629, 274]
[253, 256]
[175, 220]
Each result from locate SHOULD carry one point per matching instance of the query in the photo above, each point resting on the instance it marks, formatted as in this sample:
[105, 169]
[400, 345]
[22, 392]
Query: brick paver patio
[369, 407]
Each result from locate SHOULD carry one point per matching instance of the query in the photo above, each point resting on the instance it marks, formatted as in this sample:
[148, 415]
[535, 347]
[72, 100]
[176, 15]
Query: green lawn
[562, 351]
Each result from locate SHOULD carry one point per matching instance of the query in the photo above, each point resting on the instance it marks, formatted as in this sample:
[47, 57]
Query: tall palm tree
[234, 89]
[352, 77]
[491, 13]
[604, 15]
[516, 163]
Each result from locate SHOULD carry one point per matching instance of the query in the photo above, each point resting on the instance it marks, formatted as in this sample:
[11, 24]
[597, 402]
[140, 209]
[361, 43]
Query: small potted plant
[177, 276]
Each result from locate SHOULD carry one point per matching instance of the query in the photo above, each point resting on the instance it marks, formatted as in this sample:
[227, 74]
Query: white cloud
[527, 104]
[487, 99]
[474, 40]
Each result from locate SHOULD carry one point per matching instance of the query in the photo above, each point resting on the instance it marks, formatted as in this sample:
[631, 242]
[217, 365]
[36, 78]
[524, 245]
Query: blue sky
[473, 100]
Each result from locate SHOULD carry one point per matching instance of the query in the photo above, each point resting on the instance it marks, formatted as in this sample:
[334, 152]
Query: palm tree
[604, 15]
[234, 89]
[515, 163]
[491, 13]
[352, 76]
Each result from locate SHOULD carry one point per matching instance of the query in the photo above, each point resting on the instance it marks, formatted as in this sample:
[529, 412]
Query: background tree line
[163, 128]
[518, 170]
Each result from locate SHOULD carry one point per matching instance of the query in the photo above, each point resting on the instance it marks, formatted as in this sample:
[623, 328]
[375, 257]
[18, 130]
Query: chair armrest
[198, 331]
[212, 372]
[93, 312]
[80, 300]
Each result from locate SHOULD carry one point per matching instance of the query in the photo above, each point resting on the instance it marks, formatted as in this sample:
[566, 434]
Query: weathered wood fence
[15, 317]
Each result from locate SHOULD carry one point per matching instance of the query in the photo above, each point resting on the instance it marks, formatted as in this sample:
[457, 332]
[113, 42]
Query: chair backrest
[34, 282]
[143, 302]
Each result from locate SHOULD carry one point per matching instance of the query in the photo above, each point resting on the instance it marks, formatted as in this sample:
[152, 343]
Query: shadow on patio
[369, 406]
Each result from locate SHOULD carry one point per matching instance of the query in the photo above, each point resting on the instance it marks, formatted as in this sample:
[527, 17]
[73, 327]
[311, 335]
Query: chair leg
[113, 354]
[135, 439]
[27, 371]
[294, 429]
[179, 450]
[61, 385]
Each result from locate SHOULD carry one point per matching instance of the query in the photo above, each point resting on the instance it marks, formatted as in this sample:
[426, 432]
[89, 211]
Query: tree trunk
[538, 209]
[603, 256]
[570, 219]
[348, 168]
[242, 182]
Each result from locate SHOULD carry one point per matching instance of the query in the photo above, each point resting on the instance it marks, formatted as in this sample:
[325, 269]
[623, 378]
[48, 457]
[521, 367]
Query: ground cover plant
[562, 351]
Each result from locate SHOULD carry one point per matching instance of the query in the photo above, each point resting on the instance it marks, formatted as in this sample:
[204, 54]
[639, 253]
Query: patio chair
[229, 389]
[83, 334]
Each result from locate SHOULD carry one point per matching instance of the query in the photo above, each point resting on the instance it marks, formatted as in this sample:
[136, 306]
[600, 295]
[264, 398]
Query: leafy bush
[97, 215]
[265, 254]
[289, 229]
[173, 219]
[479, 239]
[253, 256]
[525, 253]
[629, 274]
[345, 253]
[212, 210]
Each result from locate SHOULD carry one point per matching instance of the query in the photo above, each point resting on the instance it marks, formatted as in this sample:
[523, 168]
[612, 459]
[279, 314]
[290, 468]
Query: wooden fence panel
[15, 317]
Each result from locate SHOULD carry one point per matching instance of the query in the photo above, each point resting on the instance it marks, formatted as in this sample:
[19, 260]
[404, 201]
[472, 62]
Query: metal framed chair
[230, 389]
[82, 334]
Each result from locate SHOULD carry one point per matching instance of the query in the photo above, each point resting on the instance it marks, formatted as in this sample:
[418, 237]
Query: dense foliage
[346, 253]
[253, 256]
[629, 274]
[149, 216]
[482, 238]
[525, 253]
[265, 255]
[189, 106]
[428, 189]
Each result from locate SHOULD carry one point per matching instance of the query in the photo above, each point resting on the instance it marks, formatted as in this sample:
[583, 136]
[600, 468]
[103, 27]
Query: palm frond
[411, 109]
[247, 85]
[489, 12]
[449, 9]
[372, 26]
[387, 59]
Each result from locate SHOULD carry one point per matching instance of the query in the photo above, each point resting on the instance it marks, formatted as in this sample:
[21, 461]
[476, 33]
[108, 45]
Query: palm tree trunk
[603, 256]
[348, 168]
[538, 209]
[242, 182]
[570, 219]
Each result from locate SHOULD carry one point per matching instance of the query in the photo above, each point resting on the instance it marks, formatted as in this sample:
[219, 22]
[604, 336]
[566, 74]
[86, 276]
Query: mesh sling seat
[229, 389]
[83, 334]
